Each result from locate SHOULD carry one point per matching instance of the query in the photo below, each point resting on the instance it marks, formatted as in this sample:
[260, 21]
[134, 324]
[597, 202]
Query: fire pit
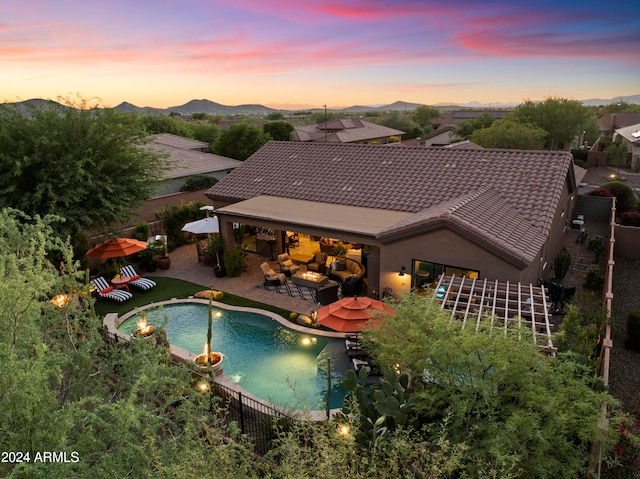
[144, 330]
[215, 358]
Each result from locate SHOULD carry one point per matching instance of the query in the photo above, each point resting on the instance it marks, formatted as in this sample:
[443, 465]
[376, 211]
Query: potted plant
[215, 248]
[163, 260]
[147, 259]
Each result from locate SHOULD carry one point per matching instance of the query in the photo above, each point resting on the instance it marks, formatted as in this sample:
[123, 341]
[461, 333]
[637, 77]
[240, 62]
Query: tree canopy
[510, 134]
[564, 120]
[518, 411]
[279, 130]
[465, 128]
[82, 164]
[240, 141]
[424, 114]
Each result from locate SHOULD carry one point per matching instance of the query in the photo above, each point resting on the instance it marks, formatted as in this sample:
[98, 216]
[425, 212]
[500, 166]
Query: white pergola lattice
[507, 306]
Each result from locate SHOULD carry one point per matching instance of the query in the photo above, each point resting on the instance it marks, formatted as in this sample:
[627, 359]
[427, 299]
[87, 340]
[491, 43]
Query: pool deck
[185, 266]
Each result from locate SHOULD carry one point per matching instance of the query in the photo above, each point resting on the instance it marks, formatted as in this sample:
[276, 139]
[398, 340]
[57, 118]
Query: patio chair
[358, 364]
[106, 291]
[137, 281]
[319, 263]
[286, 265]
[271, 277]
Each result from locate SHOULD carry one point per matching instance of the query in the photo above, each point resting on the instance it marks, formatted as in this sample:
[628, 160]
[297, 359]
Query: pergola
[507, 306]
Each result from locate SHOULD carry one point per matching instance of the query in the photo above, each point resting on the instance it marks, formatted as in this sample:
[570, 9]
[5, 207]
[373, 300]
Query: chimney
[612, 126]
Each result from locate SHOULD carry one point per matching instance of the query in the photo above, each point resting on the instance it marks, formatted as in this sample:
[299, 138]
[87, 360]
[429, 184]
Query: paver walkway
[185, 266]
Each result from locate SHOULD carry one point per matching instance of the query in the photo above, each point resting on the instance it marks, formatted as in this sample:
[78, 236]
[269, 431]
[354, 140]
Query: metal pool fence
[255, 419]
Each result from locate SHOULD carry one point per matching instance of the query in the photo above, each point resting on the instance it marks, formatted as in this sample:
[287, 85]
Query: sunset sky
[293, 54]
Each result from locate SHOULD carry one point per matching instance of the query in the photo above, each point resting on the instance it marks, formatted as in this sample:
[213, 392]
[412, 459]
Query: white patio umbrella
[203, 226]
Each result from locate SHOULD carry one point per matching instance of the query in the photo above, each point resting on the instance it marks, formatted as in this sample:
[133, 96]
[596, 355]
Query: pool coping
[112, 320]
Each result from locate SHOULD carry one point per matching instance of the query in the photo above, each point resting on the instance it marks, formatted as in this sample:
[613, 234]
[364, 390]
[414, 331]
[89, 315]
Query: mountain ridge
[212, 108]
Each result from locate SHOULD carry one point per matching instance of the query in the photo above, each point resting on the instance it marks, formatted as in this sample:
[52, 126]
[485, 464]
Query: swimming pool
[270, 361]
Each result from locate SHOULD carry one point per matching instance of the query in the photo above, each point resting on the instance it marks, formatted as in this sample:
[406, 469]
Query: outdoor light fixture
[402, 271]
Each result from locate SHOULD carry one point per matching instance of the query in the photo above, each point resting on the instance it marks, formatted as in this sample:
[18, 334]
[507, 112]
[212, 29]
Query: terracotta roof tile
[401, 178]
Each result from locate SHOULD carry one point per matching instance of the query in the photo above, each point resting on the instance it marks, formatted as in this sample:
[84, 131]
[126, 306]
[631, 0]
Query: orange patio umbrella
[351, 315]
[116, 247]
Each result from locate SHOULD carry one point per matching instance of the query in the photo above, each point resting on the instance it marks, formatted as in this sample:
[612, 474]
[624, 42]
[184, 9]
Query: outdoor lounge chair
[138, 282]
[106, 291]
[270, 276]
[286, 264]
[358, 364]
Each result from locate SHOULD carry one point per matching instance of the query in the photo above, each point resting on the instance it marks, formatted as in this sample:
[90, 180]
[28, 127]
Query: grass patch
[167, 288]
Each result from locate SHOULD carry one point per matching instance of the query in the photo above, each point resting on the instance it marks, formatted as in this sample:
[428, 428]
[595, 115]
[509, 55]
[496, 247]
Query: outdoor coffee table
[309, 279]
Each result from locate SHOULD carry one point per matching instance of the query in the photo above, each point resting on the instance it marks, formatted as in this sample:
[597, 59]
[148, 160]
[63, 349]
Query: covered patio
[506, 305]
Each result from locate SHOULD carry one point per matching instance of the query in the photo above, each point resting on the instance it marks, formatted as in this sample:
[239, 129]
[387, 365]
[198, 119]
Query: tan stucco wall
[446, 247]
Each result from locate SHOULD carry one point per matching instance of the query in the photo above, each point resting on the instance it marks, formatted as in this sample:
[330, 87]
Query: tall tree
[423, 115]
[563, 120]
[240, 141]
[509, 134]
[465, 128]
[83, 164]
[279, 130]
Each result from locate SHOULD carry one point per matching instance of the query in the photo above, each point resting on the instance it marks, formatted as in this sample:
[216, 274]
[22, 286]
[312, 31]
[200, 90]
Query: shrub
[561, 263]
[234, 262]
[142, 231]
[633, 330]
[198, 182]
[600, 192]
[630, 218]
[625, 197]
[593, 279]
[596, 244]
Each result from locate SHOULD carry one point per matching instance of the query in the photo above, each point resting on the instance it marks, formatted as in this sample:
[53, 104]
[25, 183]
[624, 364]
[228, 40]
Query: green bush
[198, 182]
[175, 217]
[561, 263]
[142, 231]
[596, 244]
[633, 330]
[625, 197]
[593, 279]
[234, 262]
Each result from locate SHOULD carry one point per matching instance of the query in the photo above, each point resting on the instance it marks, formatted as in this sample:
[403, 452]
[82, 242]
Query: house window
[424, 273]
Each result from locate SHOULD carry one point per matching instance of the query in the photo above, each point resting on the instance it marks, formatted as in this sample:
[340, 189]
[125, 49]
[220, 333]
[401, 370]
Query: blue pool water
[274, 363]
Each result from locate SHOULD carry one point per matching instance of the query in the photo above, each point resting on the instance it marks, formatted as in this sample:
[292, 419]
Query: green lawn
[167, 288]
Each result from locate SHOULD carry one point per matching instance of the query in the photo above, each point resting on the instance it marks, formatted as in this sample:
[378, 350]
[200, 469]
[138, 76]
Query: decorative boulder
[304, 320]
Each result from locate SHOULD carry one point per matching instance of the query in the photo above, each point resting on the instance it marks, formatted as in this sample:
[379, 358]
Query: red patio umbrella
[116, 247]
[350, 315]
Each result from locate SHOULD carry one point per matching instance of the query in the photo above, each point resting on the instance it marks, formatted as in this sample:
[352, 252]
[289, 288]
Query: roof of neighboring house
[611, 121]
[464, 144]
[176, 141]
[192, 162]
[345, 130]
[630, 133]
[498, 198]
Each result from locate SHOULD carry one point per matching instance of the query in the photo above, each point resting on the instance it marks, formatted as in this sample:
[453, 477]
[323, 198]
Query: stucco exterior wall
[446, 247]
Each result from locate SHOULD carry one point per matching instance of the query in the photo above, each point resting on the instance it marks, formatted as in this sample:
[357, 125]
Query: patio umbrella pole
[328, 388]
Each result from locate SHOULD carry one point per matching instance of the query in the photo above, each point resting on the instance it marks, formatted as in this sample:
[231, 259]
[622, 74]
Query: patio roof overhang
[299, 215]
[506, 305]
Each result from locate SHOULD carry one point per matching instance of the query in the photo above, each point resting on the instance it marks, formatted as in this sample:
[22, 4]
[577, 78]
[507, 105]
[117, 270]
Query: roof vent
[297, 183]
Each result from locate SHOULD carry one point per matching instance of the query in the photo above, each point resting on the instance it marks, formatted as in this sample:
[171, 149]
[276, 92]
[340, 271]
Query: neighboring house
[441, 137]
[631, 136]
[188, 158]
[610, 122]
[346, 130]
[452, 118]
[485, 213]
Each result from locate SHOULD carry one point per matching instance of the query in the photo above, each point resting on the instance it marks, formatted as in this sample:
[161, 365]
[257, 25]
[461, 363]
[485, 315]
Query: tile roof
[523, 187]
[346, 130]
[484, 217]
[630, 133]
[176, 141]
[191, 162]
